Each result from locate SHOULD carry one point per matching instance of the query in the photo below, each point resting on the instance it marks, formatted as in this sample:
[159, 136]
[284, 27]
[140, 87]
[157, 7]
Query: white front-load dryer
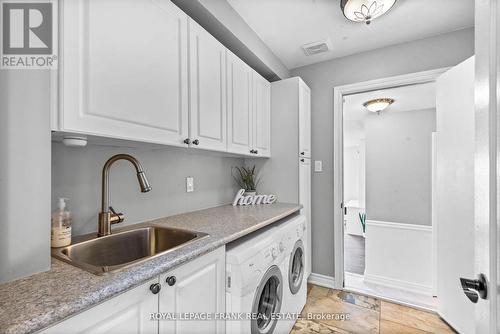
[255, 283]
[292, 239]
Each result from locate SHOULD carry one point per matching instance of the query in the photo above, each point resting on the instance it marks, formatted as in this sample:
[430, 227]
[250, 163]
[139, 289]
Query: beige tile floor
[325, 308]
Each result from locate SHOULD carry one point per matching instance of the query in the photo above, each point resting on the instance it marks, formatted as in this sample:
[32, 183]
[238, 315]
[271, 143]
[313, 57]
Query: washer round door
[296, 267]
[267, 301]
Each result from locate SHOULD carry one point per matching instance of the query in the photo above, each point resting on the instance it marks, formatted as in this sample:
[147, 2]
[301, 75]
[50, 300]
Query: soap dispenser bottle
[60, 235]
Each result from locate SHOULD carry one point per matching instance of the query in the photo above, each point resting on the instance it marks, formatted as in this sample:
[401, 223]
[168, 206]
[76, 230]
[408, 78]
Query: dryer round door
[296, 267]
[267, 301]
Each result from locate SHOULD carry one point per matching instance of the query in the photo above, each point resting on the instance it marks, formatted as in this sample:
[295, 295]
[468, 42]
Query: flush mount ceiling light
[365, 10]
[378, 105]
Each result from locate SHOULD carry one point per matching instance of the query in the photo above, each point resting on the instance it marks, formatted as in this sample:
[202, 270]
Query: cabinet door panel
[208, 89]
[262, 116]
[128, 313]
[125, 80]
[305, 200]
[199, 288]
[304, 120]
[239, 105]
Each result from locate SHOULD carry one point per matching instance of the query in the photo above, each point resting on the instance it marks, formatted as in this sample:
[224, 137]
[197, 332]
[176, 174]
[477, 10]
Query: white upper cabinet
[261, 116]
[304, 120]
[207, 58]
[199, 287]
[127, 79]
[239, 105]
[154, 75]
[248, 110]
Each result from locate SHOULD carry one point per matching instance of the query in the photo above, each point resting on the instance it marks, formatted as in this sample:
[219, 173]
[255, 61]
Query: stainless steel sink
[122, 249]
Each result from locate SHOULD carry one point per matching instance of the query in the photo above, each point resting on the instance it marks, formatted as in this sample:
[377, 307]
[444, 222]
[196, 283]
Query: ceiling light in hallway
[378, 105]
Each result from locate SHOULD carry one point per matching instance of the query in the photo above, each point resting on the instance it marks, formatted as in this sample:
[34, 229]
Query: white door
[239, 105]
[261, 116]
[487, 199]
[199, 287]
[207, 58]
[128, 313]
[127, 79]
[304, 120]
[455, 193]
[305, 200]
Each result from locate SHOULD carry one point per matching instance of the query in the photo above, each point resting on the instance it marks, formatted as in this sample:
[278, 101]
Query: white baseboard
[322, 280]
[399, 284]
[357, 284]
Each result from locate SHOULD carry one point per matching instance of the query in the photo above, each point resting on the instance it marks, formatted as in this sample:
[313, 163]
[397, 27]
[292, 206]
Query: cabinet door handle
[196, 141]
[256, 151]
[155, 288]
[302, 153]
[171, 280]
[302, 160]
[187, 141]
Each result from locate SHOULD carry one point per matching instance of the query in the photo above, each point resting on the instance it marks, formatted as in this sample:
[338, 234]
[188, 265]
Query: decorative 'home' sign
[240, 199]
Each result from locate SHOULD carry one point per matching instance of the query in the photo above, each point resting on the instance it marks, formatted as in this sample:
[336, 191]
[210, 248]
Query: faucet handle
[116, 217]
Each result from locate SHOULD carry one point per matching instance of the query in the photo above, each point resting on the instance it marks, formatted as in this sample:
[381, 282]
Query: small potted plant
[362, 220]
[247, 179]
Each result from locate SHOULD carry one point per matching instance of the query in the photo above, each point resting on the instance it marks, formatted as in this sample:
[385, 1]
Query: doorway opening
[385, 242]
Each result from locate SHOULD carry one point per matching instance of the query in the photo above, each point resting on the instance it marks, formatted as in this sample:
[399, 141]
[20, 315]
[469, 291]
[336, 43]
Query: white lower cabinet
[195, 287]
[128, 313]
[305, 200]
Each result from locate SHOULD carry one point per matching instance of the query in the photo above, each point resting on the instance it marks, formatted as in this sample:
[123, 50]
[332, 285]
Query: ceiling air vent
[317, 47]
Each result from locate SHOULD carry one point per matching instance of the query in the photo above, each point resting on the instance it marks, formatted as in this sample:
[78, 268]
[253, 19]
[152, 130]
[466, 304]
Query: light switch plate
[189, 184]
[318, 165]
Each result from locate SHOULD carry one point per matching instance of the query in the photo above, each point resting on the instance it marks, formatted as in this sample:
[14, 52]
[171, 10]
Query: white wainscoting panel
[399, 256]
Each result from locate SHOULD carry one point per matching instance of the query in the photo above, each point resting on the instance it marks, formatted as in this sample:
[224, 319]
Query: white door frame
[487, 159]
[338, 94]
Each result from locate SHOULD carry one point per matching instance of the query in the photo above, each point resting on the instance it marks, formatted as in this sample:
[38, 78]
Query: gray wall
[76, 174]
[426, 54]
[24, 173]
[399, 166]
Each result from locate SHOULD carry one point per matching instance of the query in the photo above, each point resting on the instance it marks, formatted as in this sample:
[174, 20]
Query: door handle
[475, 288]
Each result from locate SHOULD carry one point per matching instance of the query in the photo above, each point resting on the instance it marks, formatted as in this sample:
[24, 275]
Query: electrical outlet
[189, 184]
[318, 165]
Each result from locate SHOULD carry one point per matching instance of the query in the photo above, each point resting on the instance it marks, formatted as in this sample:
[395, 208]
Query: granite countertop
[41, 300]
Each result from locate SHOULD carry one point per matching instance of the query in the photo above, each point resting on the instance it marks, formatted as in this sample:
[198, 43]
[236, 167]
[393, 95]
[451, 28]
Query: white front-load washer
[255, 283]
[292, 239]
